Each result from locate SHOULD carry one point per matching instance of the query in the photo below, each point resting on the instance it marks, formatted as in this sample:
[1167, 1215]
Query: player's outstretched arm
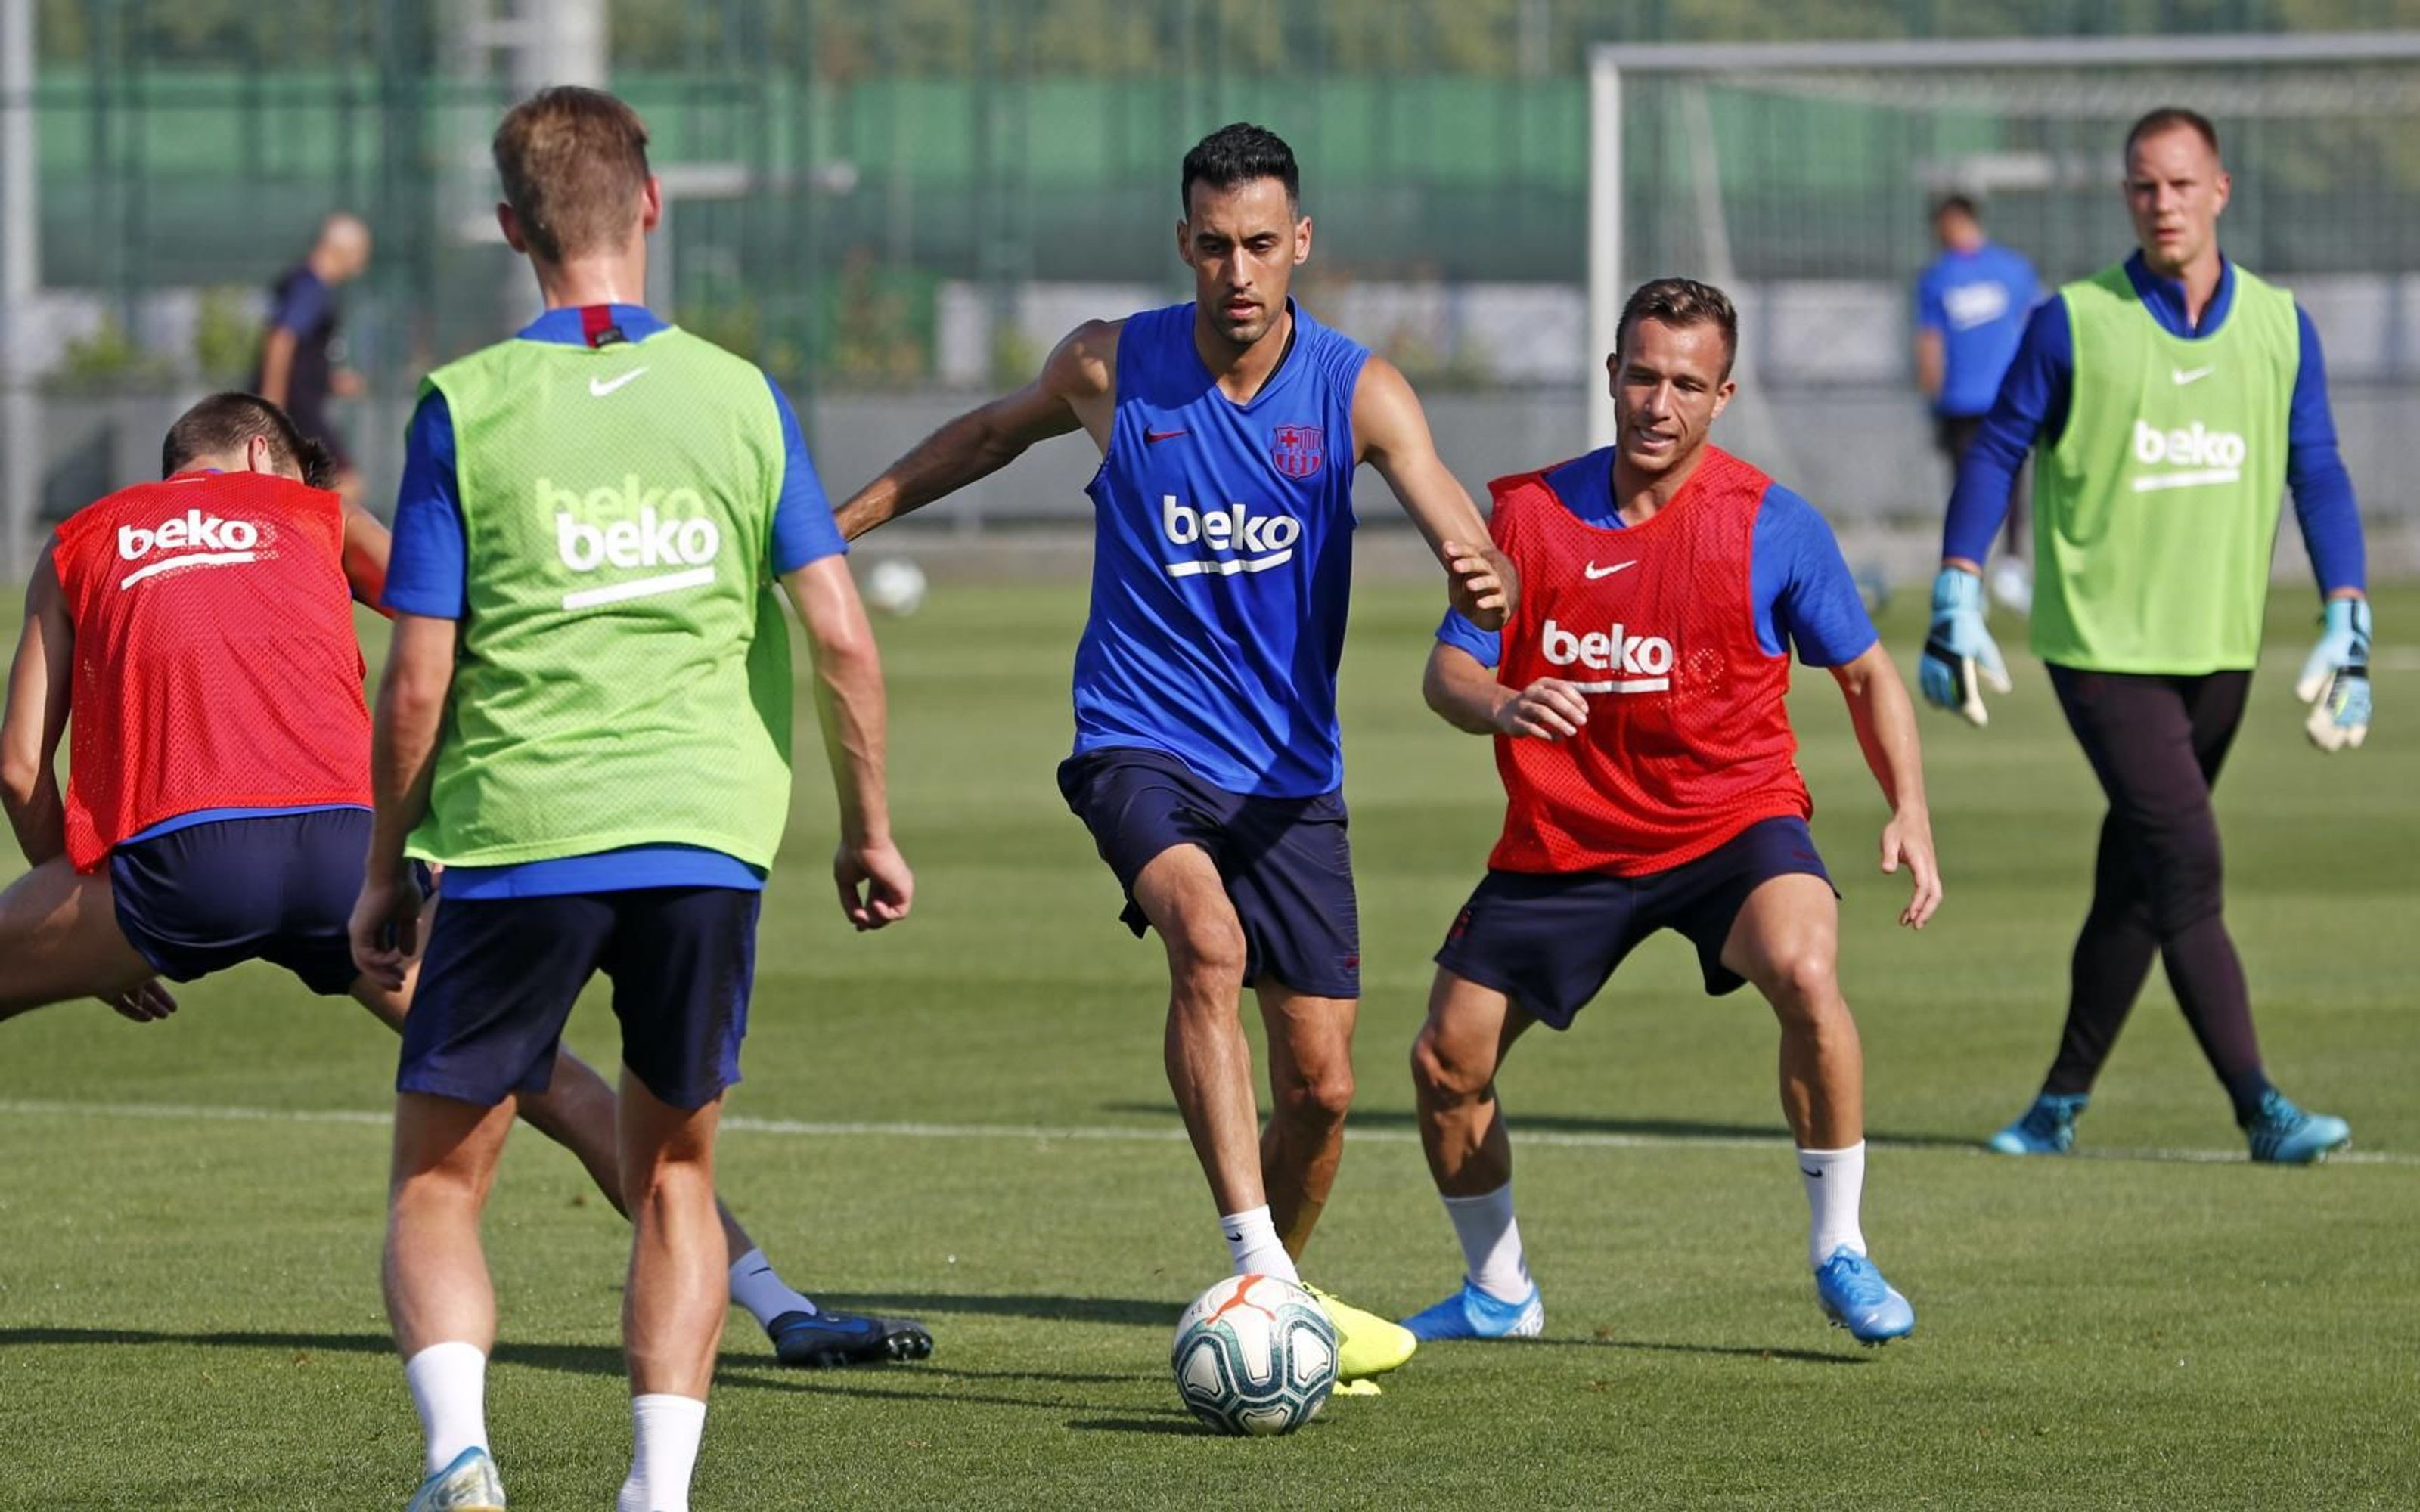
[1466, 696]
[403, 760]
[1075, 388]
[367, 546]
[41, 680]
[1885, 718]
[1393, 435]
[876, 886]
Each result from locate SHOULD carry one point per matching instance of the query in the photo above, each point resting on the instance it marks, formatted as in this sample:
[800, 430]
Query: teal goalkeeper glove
[2335, 679]
[1960, 658]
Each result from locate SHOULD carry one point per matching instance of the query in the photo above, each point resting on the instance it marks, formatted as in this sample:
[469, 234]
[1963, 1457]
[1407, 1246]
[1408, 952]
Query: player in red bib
[1637, 704]
[201, 631]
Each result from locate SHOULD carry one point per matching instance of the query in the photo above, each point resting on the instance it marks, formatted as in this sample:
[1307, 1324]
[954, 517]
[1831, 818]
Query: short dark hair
[228, 422]
[2169, 119]
[1682, 302]
[1956, 205]
[573, 162]
[1237, 154]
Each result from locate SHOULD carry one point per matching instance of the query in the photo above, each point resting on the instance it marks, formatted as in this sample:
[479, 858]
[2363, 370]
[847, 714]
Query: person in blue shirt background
[1971, 304]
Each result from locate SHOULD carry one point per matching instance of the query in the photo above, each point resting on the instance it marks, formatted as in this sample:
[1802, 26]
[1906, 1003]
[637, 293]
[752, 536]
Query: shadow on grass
[1125, 1311]
[913, 1384]
[1677, 1130]
[1175, 1425]
[577, 1358]
[1740, 1351]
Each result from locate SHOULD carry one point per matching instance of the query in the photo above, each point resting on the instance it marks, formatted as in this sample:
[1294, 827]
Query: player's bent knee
[1803, 982]
[1440, 1077]
[1207, 952]
[1323, 1098]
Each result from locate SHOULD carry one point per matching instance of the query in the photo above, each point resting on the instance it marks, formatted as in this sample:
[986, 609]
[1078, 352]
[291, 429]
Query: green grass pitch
[965, 1118]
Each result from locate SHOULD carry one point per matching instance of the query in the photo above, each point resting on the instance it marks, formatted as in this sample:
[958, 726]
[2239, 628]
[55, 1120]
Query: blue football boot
[1855, 1297]
[467, 1485]
[2048, 1128]
[1474, 1314]
[2284, 1135]
[824, 1339]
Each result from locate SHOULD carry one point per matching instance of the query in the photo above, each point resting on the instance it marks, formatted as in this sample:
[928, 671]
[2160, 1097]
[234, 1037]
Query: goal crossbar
[1611, 64]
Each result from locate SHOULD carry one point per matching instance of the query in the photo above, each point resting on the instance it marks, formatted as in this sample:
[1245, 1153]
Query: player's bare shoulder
[1386, 416]
[1082, 373]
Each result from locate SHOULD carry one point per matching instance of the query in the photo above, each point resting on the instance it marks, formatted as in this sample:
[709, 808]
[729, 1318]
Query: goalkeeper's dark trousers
[2156, 743]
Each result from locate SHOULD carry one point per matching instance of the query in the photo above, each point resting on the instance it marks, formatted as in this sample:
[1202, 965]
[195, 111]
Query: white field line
[1112, 1133]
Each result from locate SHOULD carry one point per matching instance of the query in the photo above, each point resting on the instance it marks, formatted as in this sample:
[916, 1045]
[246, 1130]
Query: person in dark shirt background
[1971, 307]
[298, 368]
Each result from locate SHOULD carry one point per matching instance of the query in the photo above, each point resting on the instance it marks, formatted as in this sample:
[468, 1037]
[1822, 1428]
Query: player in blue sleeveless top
[1207, 761]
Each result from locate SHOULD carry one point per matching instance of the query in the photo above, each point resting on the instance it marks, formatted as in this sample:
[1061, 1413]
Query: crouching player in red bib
[1637, 704]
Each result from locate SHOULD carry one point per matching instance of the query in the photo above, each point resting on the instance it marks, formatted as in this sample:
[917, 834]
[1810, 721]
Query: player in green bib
[586, 718]
[2171, 400]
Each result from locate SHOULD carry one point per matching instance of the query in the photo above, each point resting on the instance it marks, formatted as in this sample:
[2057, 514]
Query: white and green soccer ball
[1255, 1355]
[894, 585]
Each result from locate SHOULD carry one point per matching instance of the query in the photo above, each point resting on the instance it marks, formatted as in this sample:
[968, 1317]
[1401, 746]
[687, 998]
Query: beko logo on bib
[1645, 660]
[2193, 457]
[1263, 541]
[200, 540]
[642, 528]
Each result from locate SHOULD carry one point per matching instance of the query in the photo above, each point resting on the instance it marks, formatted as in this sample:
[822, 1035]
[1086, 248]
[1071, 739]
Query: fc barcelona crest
[1297, 451]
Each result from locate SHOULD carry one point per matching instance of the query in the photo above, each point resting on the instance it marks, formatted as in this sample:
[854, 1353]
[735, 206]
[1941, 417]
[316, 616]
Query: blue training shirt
[2033, 404]
[428, 574]
[1977, 300]
[1222, 561]
[1804, 595]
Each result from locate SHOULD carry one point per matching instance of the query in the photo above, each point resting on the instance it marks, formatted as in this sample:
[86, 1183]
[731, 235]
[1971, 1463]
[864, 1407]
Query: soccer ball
[895, 586]
[1255, 1355]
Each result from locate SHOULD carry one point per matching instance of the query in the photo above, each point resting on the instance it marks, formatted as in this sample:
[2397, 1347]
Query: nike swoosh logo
[1152, 437]
[1813, 1175]
[1594, 572]
[1235, 1238]
[2184, 377]
[601, 387]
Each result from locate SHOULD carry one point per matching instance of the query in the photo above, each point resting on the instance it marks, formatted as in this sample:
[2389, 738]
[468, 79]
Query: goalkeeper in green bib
[585, 716]
[2173, 398]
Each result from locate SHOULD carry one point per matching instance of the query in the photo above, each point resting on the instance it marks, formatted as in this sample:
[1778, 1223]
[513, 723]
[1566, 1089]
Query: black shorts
[274, 887]
[1551, 941]
[1286, 863]
[500, 976]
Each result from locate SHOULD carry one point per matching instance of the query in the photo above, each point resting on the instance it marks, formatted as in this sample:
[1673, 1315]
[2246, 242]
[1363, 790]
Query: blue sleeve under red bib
[1805, 595]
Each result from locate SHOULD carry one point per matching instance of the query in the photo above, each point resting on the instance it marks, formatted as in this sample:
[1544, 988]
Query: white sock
[1491, 1243]
[755, 1285]
[665, 1430]
[449, 1387]
[1252, 1241]
[1835, 1180]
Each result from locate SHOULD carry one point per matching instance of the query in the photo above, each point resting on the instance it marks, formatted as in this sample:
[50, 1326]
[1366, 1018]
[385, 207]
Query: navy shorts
[275, 887]
[1550, 942]
[500, 976]
[1286, 863]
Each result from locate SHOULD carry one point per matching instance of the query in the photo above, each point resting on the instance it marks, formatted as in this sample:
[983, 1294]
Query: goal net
[1800, 179]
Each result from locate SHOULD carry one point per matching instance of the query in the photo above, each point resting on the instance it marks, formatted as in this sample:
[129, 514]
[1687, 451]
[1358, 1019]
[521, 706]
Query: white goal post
[2100, 80]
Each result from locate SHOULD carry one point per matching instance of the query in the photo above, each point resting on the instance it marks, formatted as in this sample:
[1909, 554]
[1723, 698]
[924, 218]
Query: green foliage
[860, 39]
[226, 335]
[107, 358]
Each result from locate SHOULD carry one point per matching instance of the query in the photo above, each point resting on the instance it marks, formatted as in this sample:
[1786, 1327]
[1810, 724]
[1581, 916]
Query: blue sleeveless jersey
[1222, 562]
